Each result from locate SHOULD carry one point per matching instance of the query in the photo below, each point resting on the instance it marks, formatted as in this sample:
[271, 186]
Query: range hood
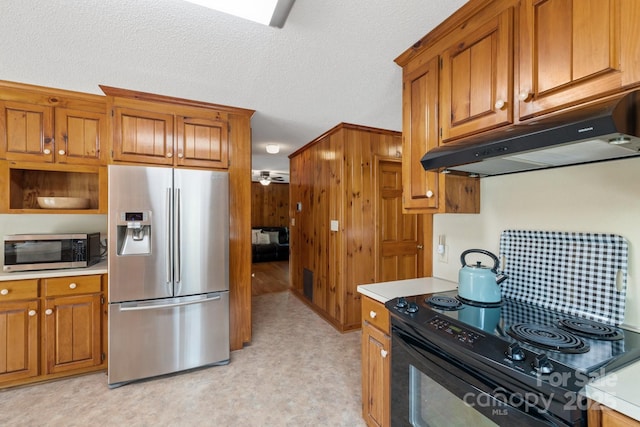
[602, 131]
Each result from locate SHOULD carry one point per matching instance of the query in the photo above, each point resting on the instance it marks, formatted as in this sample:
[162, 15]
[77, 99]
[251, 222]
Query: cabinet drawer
[72, 285]
[375, 313]
[14, 290]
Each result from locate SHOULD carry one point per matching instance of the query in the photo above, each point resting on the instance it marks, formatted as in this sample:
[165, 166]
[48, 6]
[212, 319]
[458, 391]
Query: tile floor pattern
[298, 371]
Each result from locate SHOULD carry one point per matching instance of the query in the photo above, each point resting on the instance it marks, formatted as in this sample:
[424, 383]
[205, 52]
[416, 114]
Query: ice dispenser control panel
[134, 233]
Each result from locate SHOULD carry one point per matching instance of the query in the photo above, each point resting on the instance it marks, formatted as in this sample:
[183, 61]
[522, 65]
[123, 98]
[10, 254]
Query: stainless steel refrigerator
[168, 271]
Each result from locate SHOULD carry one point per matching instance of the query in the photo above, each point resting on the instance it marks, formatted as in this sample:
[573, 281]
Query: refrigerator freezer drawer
[151, 338]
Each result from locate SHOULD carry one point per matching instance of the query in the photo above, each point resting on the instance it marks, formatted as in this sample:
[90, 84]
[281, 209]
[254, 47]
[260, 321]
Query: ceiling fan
[265, 178]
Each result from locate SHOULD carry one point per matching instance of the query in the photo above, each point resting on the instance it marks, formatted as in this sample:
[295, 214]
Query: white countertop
[618, 390]
[99, 268]
[384, 291]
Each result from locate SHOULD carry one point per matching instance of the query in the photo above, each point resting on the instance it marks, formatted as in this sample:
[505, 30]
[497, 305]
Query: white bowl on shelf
[63, 202]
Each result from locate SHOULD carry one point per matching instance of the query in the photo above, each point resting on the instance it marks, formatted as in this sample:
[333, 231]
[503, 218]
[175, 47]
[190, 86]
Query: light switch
[334, 226]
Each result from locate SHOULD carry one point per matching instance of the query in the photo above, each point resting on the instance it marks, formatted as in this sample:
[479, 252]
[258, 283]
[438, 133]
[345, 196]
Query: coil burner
[591, 329]
[548, 338]
[444, 302]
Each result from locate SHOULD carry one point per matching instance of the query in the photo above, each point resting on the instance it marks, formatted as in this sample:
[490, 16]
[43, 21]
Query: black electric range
[531, 351]
[577, 343]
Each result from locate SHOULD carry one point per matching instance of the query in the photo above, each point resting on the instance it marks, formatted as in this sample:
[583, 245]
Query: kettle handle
[496, 262]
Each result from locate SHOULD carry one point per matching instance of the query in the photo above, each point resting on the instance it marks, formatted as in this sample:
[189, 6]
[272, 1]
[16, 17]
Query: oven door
[429, 388]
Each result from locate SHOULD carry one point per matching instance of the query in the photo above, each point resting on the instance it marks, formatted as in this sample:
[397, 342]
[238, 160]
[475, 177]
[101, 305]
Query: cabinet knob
[373, 314]
[384, 353]
[61, 152]
[180, 155]
[48, 312]
[524, 96]
[169, 155]
[420, 247]
[499, 104]
[32, 313]
[429, 194]
[46, 151]
[72, 286]
[4, 292]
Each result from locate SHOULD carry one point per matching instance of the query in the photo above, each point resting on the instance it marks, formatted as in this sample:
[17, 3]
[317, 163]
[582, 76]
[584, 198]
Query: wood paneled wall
[269, 205]
[333, 179]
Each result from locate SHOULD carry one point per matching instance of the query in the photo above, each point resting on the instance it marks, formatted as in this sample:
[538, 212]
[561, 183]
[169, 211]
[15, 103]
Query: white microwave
[27, 252]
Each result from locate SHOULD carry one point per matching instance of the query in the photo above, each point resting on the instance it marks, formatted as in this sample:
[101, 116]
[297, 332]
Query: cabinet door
[143, 136]
[72, 332]
[202, 142]
[18, 340]
[26, 131]
[570, 51]
[420, 134]
[477, 79]
[376, 371]
[80, 136]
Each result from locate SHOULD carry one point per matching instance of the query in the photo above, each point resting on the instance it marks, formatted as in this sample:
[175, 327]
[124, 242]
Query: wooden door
[143, 136]
[80, 136]
[202, 142]
[399, 236]
[570, 51]
[420, 134]
[18, 340]
[477, 79]
[72, 332]
[27, 131]
[376, 373]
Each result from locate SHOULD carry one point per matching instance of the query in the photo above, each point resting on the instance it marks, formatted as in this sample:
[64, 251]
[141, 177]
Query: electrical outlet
[443, 256]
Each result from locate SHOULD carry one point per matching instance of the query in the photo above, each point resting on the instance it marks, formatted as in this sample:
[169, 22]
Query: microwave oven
[27, 252]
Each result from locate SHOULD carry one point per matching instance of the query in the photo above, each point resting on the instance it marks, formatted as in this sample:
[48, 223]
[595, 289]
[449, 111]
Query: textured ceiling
[332, 62]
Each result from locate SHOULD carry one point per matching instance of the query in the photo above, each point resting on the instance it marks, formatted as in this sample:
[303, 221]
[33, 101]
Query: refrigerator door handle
[168, 234]
[178, 240]
[177, 304]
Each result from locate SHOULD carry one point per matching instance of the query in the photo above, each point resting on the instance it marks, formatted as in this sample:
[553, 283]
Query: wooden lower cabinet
[376, 363]
[72, 333]
[51, 328]
[18, 340]
[602, 416]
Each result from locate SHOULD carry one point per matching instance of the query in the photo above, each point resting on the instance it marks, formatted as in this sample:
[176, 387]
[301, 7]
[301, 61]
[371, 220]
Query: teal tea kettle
[480, 283]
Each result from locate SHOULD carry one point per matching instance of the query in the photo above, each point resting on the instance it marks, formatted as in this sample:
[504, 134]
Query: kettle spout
[501, 278]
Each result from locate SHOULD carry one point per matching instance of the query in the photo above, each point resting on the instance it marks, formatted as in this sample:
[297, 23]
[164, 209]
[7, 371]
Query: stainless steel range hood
[603, 131]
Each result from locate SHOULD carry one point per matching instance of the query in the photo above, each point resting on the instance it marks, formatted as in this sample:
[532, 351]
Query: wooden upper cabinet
[202, 141]
[161, 130]
[420, 126]
[477, 78]
[143, 136]
[426, 191]
[47, 126]
[575, 50]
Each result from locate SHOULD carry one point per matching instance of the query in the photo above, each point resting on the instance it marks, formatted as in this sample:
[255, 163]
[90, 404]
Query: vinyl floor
[298, 371]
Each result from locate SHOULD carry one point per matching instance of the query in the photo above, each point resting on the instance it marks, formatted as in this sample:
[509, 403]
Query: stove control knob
[412, 308]
[402, 303]
[515, 352]
[542, 365]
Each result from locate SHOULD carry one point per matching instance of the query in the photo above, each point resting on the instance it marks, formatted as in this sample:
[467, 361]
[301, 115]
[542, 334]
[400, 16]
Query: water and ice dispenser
[134, 233]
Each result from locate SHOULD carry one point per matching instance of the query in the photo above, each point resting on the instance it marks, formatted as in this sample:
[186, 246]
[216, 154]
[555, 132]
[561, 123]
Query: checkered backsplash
[573, 273]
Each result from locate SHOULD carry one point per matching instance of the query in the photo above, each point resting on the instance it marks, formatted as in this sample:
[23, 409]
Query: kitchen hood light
[445, 171]
[267, 12]
[273, 148]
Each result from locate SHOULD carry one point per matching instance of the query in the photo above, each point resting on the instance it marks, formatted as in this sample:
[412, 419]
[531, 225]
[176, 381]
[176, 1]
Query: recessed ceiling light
[266, 12]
